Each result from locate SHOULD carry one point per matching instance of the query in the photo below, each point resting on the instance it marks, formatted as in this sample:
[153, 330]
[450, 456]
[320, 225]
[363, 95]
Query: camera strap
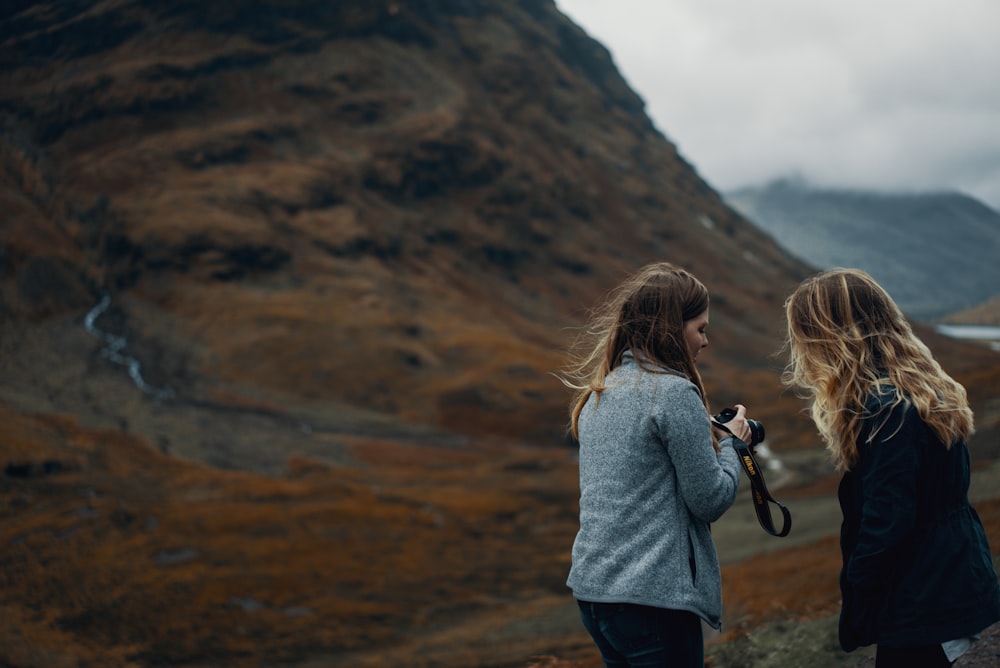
[761, 497]
[758, 489]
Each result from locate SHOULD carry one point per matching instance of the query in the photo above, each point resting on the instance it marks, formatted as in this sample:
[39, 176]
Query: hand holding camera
[734, 421]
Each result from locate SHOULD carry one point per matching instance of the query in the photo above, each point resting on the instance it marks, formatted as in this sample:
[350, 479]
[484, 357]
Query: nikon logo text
[748, 462]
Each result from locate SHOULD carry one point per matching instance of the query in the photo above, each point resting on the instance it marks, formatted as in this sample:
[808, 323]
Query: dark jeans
[927, 656]
[637, 636]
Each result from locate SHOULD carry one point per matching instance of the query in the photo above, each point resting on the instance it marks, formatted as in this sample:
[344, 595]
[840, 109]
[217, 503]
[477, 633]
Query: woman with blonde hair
[917, 577]
[653, 474]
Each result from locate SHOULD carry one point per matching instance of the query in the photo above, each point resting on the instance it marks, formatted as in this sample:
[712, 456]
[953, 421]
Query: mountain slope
[392, 207]
[934, 252]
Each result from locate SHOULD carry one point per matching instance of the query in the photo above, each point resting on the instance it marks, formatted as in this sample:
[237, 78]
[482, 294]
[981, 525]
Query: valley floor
[778, 629]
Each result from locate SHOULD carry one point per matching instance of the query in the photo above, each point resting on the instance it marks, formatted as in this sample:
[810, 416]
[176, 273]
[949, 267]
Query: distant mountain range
[936, 253]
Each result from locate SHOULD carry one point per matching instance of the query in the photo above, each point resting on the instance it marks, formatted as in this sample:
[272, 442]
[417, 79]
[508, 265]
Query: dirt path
[504, 636]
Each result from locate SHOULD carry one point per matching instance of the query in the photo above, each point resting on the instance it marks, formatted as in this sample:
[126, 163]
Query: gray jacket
[650, 485]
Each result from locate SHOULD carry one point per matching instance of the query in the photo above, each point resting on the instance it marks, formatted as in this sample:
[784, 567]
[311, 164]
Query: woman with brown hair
[917, 577]
[653, 474]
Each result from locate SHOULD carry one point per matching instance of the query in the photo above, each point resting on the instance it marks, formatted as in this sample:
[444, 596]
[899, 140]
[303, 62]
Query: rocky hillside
[935, 252]
[395, 207]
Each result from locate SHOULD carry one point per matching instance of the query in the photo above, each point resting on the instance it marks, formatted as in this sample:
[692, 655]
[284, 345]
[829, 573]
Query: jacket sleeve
[889, 467]
[707, 480]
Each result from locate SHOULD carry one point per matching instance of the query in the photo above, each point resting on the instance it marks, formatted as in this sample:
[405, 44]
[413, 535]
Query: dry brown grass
[794, 584]
[123, 556]
[127, 556]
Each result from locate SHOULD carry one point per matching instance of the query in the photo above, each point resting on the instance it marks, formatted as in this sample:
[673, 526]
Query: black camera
[756, 428]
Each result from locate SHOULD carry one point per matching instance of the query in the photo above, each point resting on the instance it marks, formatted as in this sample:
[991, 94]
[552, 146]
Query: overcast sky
[891, 95]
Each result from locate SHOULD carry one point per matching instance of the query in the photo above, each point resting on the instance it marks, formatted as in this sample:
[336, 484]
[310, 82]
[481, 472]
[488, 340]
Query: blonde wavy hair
[645, 314]
[847, 338]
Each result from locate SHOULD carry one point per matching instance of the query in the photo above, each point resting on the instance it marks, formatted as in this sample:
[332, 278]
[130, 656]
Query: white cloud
[898, 94]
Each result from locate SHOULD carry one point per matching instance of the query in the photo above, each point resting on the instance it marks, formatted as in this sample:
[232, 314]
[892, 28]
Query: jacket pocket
[692, 560]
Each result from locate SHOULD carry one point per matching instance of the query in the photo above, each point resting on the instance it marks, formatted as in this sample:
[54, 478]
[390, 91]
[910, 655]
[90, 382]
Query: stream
[115, 350]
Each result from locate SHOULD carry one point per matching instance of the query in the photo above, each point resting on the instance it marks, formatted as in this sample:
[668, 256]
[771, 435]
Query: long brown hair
[847, 337]
[644, 314]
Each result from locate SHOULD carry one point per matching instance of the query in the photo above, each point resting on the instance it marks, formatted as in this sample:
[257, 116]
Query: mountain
[987, 313]
[284, 284]
[385, 215]
[934, 252]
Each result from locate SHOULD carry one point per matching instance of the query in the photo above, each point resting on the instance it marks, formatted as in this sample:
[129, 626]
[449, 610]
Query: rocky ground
[983, 654]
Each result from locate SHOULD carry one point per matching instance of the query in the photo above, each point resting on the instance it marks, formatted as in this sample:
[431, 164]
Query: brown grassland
[118, 555]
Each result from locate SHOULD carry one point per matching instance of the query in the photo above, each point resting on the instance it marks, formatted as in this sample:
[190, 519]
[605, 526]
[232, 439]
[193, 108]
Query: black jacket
[917, 568]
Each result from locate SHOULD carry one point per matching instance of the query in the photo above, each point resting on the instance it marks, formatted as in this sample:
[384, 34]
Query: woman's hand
[737, 426]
